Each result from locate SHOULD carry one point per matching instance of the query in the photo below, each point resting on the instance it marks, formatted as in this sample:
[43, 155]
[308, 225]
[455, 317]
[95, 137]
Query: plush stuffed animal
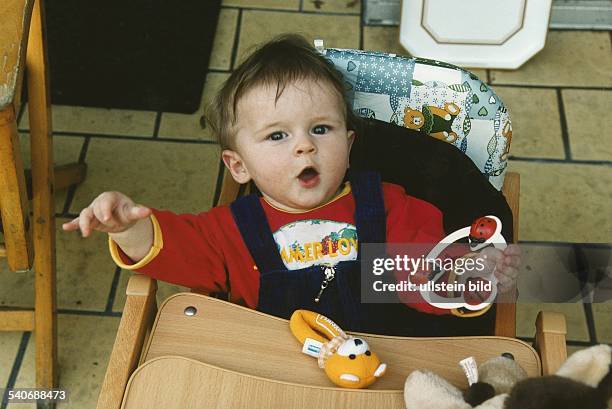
[347, 360]
[584, 381]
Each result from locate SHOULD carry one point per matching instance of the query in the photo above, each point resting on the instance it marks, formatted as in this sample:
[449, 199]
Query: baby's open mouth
[309, 176]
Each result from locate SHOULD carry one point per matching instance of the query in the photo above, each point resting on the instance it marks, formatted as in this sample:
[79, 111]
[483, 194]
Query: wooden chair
[205, 352]
[29, 240]
[199, 351]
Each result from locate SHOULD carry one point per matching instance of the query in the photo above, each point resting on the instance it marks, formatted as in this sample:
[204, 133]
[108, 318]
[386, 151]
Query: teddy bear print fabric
[440, 99]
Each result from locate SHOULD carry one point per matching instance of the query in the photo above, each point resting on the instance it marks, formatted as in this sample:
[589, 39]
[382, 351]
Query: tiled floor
[560, 102]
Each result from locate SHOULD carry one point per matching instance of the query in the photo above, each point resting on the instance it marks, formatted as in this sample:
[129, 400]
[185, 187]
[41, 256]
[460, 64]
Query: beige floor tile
[548, 274]
[386, 39]
[260, 26]
[579, 58]
[164, 175]
[383, 39]
[99, 121]
[268, 4]
[536, 129]
[573, 349]
[84, 347]
[189, 126]
[84, 274]
[66, 149]
[526, 314]
[564, 202]
[9, 345]
[585, 111]
[164, 290]
[21, 406]
[221, 55]
[602, 313]
[333, 6]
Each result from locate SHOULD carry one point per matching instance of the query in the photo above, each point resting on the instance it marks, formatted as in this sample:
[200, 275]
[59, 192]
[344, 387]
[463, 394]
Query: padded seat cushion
[431, 170]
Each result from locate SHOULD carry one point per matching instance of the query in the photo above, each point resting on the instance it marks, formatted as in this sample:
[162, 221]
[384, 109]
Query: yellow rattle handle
[347, 361]
[308, 324]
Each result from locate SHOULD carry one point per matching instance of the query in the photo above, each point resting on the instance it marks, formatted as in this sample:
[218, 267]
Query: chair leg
[64, 176]
[42, 203]
[67, 175]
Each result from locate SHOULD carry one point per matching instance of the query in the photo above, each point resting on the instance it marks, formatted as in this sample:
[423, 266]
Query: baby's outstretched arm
[127, 223]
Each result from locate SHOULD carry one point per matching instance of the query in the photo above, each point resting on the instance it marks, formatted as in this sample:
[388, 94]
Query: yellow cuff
[158, 244]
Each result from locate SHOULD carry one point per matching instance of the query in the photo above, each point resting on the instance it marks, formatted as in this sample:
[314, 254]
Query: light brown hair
[283, 60]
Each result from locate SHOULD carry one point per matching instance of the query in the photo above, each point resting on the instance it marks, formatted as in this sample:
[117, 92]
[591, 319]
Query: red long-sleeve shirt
[197, 250]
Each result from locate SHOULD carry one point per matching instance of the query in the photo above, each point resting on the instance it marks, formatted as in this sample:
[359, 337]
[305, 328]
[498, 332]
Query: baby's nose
[305, 145]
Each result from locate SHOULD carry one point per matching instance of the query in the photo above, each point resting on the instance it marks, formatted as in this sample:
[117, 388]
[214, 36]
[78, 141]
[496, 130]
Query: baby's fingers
[137, 212]
[512, 250]
[71, 225]
[87, 221]
[506, 272]
[104, 207]
[512, 261]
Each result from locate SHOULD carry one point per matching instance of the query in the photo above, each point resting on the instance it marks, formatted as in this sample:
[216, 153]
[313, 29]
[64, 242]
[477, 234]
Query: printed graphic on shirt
[310, 242]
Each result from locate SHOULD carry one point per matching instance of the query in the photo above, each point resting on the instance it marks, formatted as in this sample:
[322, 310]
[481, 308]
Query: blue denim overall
[337, 288]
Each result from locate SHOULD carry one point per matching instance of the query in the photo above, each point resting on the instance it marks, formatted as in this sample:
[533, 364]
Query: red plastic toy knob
[482, 229]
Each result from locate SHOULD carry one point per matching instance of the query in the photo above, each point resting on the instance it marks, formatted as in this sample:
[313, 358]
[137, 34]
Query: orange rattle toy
[347, 360]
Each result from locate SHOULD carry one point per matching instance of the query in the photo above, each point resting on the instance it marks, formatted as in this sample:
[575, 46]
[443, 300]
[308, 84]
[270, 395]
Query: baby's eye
[276, 136]
[320, 129]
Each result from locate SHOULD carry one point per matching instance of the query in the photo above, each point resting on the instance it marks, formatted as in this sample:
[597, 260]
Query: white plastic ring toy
[484, 231]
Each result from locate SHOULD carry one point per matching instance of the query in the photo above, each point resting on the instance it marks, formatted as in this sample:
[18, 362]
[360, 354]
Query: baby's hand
[506, 264]
[111, 212]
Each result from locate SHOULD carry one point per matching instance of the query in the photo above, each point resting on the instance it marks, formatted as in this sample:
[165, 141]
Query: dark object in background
[137, 54]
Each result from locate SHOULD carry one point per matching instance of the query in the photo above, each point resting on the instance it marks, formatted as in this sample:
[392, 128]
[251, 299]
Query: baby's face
[296, 149]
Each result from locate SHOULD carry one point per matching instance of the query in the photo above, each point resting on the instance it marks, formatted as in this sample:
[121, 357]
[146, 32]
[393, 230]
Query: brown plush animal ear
[478, 393]
[554, 392]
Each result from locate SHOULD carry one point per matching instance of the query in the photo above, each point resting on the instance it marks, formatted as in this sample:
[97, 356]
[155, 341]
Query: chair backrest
[440, 99]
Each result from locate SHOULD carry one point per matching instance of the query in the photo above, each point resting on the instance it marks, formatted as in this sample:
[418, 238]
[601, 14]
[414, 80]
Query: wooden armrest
[505, 316]
[511, 191]
[550, 340]
[15, 16]
[14, 207]
[136, 321]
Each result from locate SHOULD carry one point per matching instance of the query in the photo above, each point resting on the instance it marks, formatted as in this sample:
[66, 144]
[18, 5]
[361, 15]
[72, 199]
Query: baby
[284, 123]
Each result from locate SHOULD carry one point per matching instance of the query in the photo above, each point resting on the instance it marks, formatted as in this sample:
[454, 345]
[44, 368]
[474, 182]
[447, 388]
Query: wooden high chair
[199, 351]
[29, 239]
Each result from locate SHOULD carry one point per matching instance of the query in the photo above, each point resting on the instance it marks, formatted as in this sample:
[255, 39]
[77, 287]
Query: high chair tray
[189, 384]
[245, 341]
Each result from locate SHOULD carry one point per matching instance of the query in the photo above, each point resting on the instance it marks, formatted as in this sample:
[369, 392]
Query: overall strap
[255, 230]
[370, 218]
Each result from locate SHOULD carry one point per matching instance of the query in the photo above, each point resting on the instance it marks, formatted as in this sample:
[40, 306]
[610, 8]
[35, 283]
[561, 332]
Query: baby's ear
[351, 138]
[350, 134]
[235, 165]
